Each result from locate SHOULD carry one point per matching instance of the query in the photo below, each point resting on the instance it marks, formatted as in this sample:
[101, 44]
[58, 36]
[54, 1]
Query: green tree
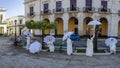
[41, 25]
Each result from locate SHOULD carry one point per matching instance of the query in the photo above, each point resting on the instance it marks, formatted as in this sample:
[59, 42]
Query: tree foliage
[40, 25]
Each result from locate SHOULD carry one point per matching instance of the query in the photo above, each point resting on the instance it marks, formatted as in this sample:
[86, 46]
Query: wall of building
[110, 19]
[3, 28]
[14, 25]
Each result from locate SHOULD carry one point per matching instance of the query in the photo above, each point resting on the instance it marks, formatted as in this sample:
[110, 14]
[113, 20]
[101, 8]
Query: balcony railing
[46, 12]
[88, 9]
[73, 9]
[106, 10]
[58, 10]
[32, 14]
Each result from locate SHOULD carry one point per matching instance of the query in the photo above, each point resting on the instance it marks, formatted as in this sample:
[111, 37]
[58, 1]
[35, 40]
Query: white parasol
[35, 47]
[94, 23]
[49, 38]
[110, 40]
[67, 35]
[27, 32]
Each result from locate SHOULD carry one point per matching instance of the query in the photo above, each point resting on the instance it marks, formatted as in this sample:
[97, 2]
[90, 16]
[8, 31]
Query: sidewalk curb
[93, 54]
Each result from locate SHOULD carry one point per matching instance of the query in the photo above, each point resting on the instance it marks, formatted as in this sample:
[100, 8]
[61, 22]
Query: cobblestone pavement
[17, 57]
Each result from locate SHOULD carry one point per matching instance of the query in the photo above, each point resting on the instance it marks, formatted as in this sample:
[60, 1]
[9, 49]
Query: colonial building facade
[15, 25]
[3, 29]
[74, 15]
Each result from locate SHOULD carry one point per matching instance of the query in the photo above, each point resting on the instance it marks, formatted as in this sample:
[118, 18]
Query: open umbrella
[95, 22]
[66, 35]
[110, 40]
[49, 38]
[27, 33]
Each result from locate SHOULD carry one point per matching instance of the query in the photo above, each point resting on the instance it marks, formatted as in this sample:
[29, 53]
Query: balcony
[46, 12]
[104, 10]
[73, 9]
[119, 12]
[88, 9]
[31, 14]
[58, 10]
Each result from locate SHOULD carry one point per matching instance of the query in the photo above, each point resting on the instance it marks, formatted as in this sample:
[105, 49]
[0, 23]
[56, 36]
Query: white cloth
[51, 46]
[69, 46]
[35, 47]
[28, 42]
[112, 47]
[89, 49]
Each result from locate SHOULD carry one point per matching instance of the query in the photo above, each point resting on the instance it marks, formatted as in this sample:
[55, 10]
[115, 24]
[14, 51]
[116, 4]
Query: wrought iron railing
[75, 9]
[58, 10]
[31, 14]
[46, 12]
[104, 10]
[88, 9]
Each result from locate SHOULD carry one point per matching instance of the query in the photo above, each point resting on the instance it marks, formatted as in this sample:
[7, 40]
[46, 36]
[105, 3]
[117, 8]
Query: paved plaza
[17, 57]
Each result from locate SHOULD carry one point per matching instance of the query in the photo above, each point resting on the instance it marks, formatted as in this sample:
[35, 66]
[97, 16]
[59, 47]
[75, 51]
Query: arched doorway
[73, 25]
[47, 31]
[59, 30]
[119, 29]
[103, 28]
[86, 28]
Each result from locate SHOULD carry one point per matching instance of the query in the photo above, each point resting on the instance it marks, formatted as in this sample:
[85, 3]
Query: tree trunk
[43, 45]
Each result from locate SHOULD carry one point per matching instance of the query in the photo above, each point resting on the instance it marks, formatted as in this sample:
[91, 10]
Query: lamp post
[15, 41]
[95, 38]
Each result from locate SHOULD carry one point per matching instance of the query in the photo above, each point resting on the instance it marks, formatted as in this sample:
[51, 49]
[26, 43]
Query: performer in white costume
[28, 42]
[35, 47]
[89, 49]
[51, 46]
[112, 47]
[69, 46]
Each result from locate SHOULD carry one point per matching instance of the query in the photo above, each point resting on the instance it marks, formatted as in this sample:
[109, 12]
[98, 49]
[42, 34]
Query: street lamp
[15, 41]
[95, 38]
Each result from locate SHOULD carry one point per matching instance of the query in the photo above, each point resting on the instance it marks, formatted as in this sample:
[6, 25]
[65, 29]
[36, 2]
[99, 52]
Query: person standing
[112, 47]
[89, 49]
[28, 42]
[51, 46]
[69, 46]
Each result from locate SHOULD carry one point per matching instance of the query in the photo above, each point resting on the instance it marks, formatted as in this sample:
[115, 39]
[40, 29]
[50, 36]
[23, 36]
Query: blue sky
[13, 7]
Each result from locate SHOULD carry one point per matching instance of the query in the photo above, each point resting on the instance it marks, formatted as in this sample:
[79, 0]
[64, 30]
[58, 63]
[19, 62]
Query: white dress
[69, 46]
[28, 42]
[89, 49]
[113, 48]
[35, 47]
[51, 46]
